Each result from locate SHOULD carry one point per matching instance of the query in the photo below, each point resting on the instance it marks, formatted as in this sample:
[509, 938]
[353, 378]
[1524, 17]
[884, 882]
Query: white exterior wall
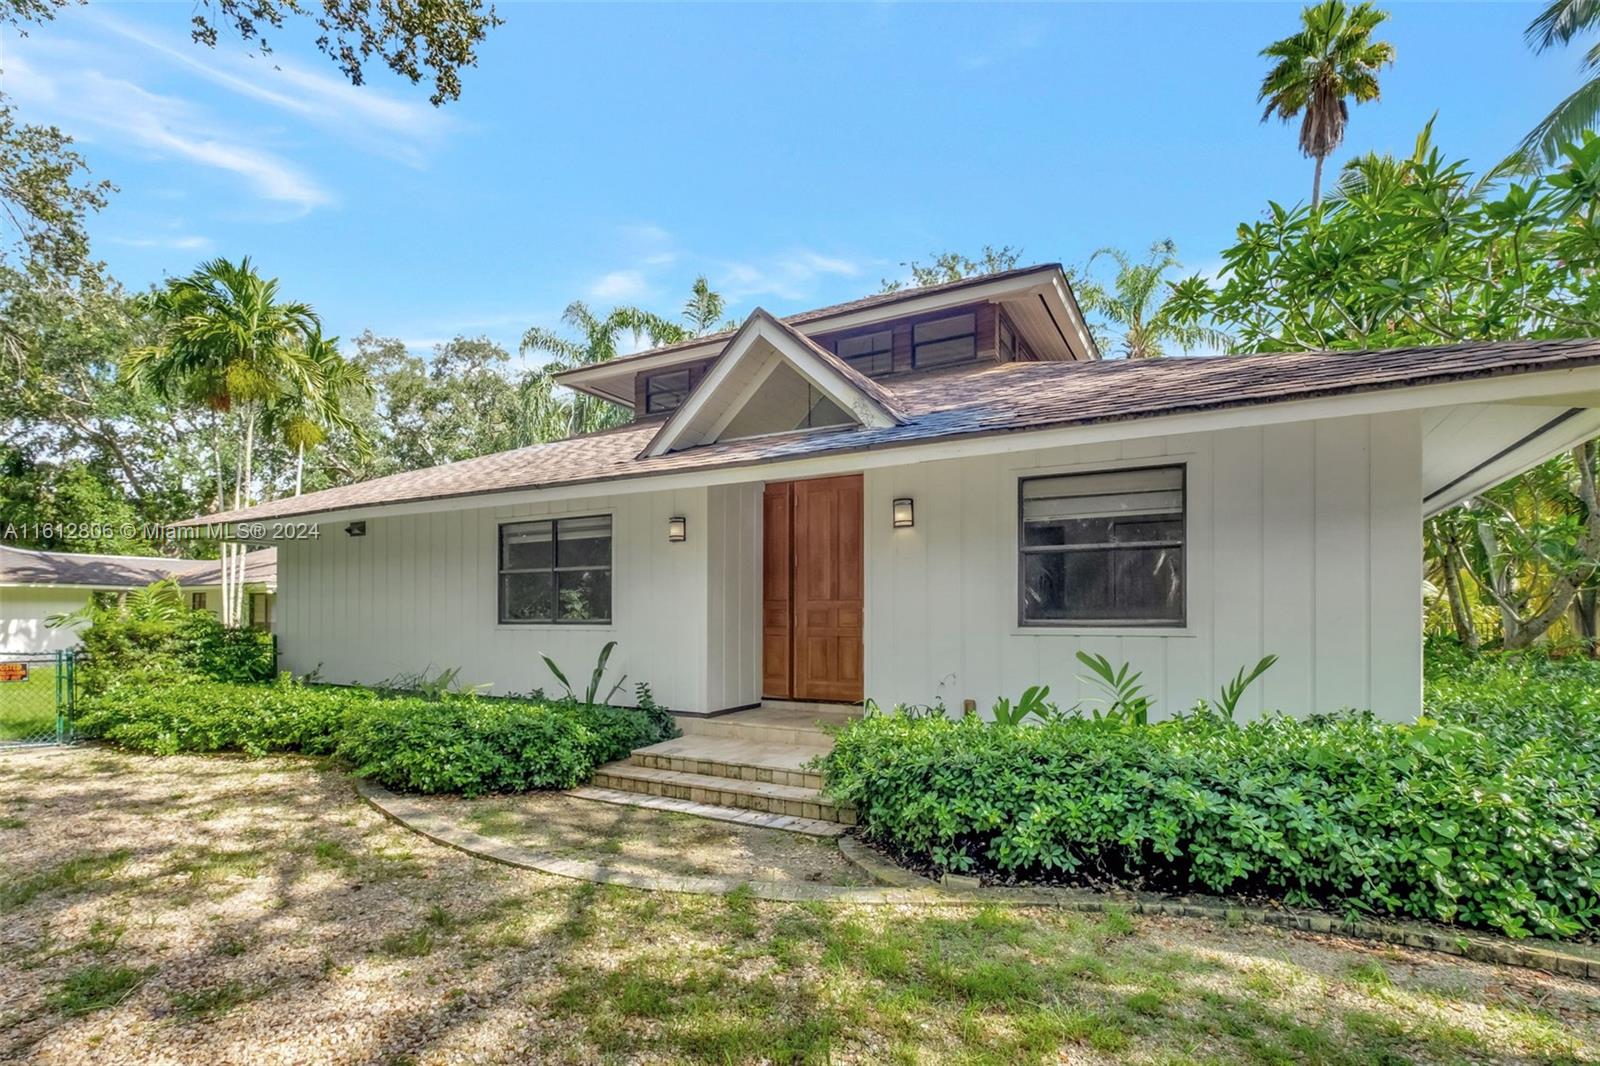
[22, 615]
[418, 593]
[1304, 541]
[733, 537]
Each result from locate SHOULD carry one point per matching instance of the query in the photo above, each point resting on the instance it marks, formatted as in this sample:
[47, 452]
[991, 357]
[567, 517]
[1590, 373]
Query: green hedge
[1485, 815]
[459, 743]
[188, 646]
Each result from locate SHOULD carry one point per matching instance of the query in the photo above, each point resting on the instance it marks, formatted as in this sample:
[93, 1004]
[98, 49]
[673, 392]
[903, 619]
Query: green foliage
[150, 637]
[451, 742]
[1033, 703]
[256, 719]
[1480, 813]
[1137, 305]
[1232, 692]
[595, 676]
[1126, 700]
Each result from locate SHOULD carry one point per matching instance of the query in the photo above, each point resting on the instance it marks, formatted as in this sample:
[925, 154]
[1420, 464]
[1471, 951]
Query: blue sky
[796, 155]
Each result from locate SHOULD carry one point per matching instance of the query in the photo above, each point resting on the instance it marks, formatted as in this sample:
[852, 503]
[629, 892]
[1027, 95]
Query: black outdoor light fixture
[677, 529]
[904, 515]
[356, 529]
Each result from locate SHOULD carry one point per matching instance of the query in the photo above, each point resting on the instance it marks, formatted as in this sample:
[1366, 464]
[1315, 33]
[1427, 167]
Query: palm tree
[316, 405]
[1559, 24]
[598, 341]
[703, 308]
[1331, 60]
[227, 343]
[1139, 303]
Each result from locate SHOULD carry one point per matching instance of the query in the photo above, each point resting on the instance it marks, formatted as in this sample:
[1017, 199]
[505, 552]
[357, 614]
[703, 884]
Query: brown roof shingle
[979, 399]
[23, 566]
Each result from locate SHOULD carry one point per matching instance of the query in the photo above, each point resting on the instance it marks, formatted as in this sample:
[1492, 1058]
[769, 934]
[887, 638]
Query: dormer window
[944, 341]
[665, 391]
[870, 353]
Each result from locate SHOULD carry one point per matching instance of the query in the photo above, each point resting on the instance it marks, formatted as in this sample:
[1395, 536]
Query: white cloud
[118, 110]
[791, 276]
[625, 285]
[182, 243]
[392, 126]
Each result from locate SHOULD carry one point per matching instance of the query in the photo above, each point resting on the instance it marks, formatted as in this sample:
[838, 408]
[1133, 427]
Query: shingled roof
[973, 400]
[22, 566]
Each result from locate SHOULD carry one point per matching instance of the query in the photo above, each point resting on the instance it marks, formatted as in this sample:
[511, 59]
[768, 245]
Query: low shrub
[454, 743]
[1483, 813]
[285, 716]
[151, 638]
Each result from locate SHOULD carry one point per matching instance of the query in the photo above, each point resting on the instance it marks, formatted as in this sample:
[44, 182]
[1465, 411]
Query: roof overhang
[760, 345]
[1557, 389]
[1042, 298]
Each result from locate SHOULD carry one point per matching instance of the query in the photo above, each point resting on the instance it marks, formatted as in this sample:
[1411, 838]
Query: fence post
[61, 669]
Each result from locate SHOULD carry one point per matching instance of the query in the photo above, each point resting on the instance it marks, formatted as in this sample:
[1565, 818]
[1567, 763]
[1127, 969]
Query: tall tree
[413, 38]
[317, 403]
[230, 345]
[1556, 25]
[1330, 61]
[703, 309]
[598, 339]
[1138, 308]
[954, 266]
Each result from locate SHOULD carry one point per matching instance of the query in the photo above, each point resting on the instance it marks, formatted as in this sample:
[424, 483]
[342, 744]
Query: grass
[28, 708]
[325, 932]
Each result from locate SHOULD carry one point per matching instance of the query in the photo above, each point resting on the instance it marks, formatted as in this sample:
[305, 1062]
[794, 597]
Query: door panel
[827, 589]
[777, 634]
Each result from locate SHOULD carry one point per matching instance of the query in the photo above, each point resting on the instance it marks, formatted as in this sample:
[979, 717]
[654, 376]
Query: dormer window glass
[665, 391]
[944, 341]
[870, 353]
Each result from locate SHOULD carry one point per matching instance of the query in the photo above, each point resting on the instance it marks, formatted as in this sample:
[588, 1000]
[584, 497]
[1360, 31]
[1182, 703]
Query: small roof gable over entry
[773, 379]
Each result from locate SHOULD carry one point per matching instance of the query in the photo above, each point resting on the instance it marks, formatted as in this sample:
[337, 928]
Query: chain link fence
[37, 691]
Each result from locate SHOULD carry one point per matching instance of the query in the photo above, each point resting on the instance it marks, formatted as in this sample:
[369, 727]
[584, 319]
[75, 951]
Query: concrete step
[735, 757]
[783, 724]
[791, 800]
[755, 819]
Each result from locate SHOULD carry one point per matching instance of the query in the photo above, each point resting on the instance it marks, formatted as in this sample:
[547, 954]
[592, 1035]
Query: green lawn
[227, 910]
[28, 708]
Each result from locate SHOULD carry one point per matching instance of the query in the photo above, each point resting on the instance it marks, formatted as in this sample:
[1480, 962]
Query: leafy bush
[215, 716]
[451, 743]
[151, 638]
[1483, 813]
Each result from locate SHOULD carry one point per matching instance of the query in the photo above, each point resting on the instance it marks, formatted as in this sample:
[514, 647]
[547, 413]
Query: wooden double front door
[812, 590]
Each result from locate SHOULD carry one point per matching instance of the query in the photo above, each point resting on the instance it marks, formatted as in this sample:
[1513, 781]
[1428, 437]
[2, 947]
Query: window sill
[556, 627]
[1103, 631]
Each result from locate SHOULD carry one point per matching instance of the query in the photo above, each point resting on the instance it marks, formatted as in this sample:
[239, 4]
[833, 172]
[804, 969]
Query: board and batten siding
[417, 594]
[1304, 541]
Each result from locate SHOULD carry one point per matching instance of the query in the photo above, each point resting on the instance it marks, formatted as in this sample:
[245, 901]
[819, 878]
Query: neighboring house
[939, 495]
[35, 585]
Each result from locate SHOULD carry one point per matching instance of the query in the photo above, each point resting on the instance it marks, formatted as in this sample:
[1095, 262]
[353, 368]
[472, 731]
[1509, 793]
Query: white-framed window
[555, 571]
[665, 391]
[197, 601]
[1102, 549]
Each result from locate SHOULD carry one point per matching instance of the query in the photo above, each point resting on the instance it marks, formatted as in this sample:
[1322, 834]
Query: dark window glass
[557, 570]
[870, 353]
[1008, 342]
[1104, 548]
[665, 391]
[944, 341]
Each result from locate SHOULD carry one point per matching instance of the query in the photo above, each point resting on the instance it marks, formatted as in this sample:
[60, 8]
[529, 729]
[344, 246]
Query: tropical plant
[1034, 703]
[1316, 71]
[230, 345]
[1138, 305]
[159, 602]
[316, 404]
[1126, 701]
[1233, 691]
[595, 676]
[599, 340]
[703, 309]
[1559, 24]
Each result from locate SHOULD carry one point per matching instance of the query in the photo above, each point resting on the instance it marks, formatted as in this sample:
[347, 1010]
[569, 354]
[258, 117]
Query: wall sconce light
[677, 529]
[904, 516]
[356, 529]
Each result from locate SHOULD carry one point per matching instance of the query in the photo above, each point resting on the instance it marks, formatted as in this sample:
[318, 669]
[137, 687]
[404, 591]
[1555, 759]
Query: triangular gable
[762, 364]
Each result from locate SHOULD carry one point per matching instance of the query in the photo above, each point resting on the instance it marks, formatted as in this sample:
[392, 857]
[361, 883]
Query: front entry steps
[748, 767]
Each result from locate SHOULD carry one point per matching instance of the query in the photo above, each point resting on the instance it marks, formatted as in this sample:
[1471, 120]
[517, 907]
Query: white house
[938, 494]
[37, 584]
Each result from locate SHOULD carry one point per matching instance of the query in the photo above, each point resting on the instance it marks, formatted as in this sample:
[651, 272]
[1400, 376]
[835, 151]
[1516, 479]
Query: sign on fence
[13, 671]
